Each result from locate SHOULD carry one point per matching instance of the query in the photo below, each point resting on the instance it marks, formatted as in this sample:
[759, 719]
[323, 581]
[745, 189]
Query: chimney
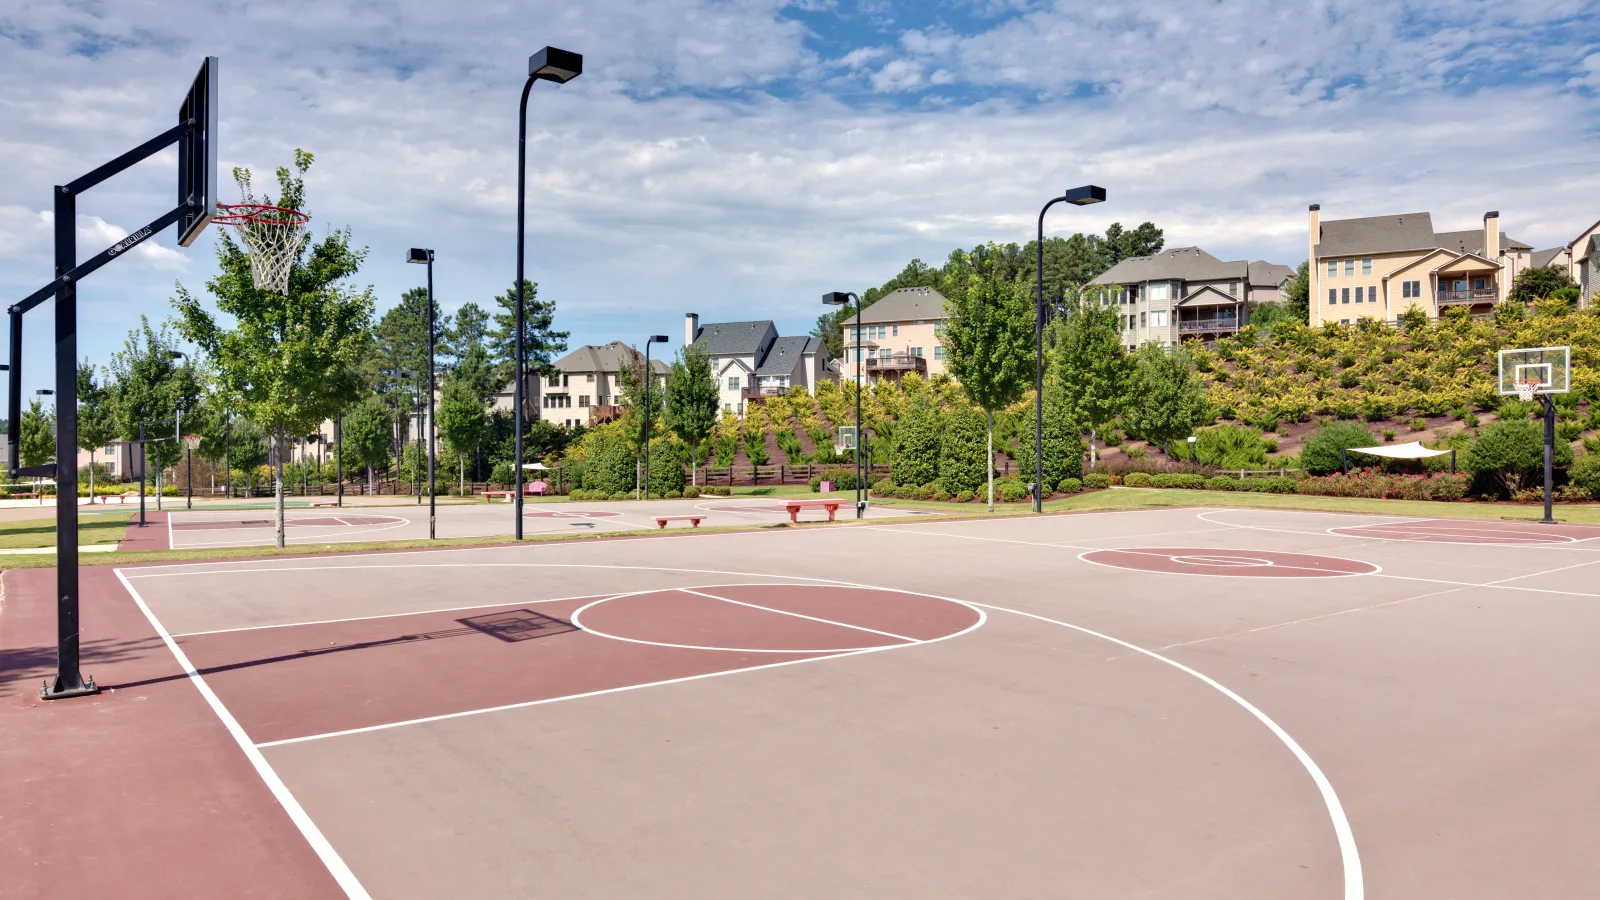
[1491, 235]
[1313, 271]
[691, 328]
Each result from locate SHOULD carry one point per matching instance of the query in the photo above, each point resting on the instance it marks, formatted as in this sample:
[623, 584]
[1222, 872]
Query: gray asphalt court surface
[1212, 703]
[195, 529]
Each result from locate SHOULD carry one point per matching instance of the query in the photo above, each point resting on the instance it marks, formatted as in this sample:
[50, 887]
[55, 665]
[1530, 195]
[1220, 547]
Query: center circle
[1228, 563]
[570, 514]
[776, 618]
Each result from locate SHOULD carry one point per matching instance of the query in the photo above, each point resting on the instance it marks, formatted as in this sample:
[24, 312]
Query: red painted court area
[275, 680]
[1471, 531]
[1230, 563]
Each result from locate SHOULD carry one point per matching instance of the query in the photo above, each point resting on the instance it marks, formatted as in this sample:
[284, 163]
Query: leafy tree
[963, 463]
[988, 339]
[1321, 454]
[289, 362]
[463, 423]
[540, 341]
[916, 446]
[1585, 474]
[1539, 283]
[97, 419]
[1092, 367]
[148, 385]
[366, 436]
[691, 401]
[399, 356]
[1511, 451]
[1167, 397]
[1063, 449]
[469, 327]
[37, 439]
[667, 457]
[611, 461]
[247, 448]
[1297, 293]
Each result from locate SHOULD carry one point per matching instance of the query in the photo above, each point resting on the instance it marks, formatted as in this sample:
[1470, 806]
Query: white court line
[169, 531]
[420, 612]
[784, 612]
[1330, 531]
[982, 618]
[330, 857]
[1325, 573]
[332, 538]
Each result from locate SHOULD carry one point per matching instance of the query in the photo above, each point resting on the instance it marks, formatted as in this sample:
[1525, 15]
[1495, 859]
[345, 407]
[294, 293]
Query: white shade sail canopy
[1413, 450]
[539, 466]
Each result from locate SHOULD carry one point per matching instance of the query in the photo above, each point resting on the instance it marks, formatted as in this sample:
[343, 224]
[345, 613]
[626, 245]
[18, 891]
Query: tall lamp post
[649, 376]
[559, 66]
[423, 256]
[177, 416]
[1078, 196]
[840, 298]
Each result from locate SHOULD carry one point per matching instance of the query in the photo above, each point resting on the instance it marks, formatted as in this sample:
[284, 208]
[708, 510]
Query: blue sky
[737, 159]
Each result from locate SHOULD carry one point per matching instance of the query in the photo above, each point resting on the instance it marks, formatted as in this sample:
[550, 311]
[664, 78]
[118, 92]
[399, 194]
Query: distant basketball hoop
[192, 441]
[1526, 390]
[271, 236]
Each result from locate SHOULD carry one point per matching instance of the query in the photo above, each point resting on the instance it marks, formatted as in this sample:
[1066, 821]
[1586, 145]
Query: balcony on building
[1457, 293]
[601, 414]
[1207, 324]
[895, 366]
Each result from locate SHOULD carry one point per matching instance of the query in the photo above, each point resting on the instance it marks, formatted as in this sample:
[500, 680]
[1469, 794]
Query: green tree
[667, 457]
[1321, 455]
[1230, 446]
[988, 340]
[540, 341]
[399, 354]
[469, 327]
[691, 401]
[1166, 397]
[1539, 283]
[611, 462]
[148, 385]
[366, 436]
[37, 439]
[1297, 293]
[1510, 451]
[916, 446]
[97, 418]
[1063, 448]
[290, 361]
[963, 462]
[1091, 366]
[463, 423]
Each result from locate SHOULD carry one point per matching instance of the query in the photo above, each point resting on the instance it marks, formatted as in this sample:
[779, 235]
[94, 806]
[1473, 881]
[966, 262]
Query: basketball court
[197, 529]
[1199, 703]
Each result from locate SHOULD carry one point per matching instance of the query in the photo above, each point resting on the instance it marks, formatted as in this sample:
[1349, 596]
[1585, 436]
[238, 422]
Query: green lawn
[93, 528]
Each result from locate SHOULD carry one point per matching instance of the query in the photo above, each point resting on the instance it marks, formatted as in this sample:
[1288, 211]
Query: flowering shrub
[1374, 483]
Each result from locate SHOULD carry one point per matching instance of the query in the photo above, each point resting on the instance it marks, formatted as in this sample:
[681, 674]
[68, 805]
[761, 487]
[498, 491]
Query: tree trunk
[91, 476]
[1092, 457]
[989, 459]
[369, 479]
[461, 476]
[277, 485]
[159, 473]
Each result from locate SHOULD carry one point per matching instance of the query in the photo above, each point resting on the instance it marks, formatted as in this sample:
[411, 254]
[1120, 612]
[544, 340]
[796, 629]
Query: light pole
[417, 410]
[177, 416]
[559, 66]
[649, 376]
[1078, 196]
[424, 256]
[227, 458]
[338, 458]
[46, 392]
[839, 298]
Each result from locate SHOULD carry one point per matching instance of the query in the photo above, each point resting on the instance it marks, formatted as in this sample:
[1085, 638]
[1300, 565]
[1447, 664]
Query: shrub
[962, 450]
[963, 496]
[621, 495]
[883, 486]
[1070, 486]
[843, 479]
[1585, 475]
[1227, 447]
[1508, 451]
[1419, 424]
[1224, 483]
[611, 465]
[1097, 480]
[1133, 452]
[940, 494]
[1178, 480]
[1377, 484]
[691, 491]
[667, 459]
[502, 473]
[916, 446]
[1063, 449]
[577, 494]
[1137, 479]
[1567, 432]
[1321, 453]
[1388, 435]
[1011, 491]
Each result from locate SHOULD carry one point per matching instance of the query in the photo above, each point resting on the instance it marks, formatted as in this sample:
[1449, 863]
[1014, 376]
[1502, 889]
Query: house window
[1344, 321]
[885, 353]
[1141, 320]
[1158, 318]
[1133, 293]
[896, 330]
[1184, 290]
[1478, 284]
[1405, 289]
[918, 322]
[1349, 267]
[602, 400]
[1333, 296]
[583, 400]
[555, 380]
[1358, 295]
[1158, 291]
[1366, 267]
[1345, 297]
[914, 351]
[938, 329]
[727, 407]
[1233, 289]
[588, 379]
[1333, 268]
[733, 382]
[938, 352]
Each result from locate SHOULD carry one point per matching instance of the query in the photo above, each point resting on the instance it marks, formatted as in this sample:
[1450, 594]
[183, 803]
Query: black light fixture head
[46, 392]
[836, 298]
[553, 64]
[419, 255]
[1084, 196]
[177, 354]
[658, 339]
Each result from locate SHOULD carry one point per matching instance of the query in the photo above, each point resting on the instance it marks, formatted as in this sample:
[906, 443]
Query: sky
[737, 159]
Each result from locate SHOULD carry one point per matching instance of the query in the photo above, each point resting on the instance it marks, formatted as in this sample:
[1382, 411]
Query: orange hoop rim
[258, 214]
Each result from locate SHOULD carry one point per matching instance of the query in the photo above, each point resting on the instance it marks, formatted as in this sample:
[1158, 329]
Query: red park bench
[532, 488]
[694, 521]
[794, 507]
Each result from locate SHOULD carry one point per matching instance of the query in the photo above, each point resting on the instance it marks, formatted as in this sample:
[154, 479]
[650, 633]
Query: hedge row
[1362, 483]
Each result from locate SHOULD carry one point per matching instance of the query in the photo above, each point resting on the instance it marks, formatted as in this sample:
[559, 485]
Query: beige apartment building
[1582, 261]
[1381, 266]
[1185, 293]
[584, 388]
[898, 334]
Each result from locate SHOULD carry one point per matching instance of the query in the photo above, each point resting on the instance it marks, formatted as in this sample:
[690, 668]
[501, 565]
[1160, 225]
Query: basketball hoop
[271, 235]
[192, 441]
[1526, 389]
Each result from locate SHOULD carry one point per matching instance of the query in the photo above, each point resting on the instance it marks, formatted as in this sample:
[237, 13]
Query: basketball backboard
[197, 155]
[1550, 366]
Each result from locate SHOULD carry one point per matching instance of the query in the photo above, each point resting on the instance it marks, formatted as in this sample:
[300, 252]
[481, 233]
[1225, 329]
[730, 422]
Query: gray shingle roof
[784, 355]
[1179, 263]
[905, 305]
[1472, 241]
[1542, 258]
[735, 338]
[1269, 275]
[1377, 234]
[605, 358]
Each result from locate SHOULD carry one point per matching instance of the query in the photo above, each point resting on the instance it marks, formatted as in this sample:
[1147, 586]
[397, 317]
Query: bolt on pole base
[60, 690]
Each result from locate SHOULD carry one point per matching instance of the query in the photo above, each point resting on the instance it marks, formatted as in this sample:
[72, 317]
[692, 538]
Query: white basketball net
[1526, 389]
[272, 240]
